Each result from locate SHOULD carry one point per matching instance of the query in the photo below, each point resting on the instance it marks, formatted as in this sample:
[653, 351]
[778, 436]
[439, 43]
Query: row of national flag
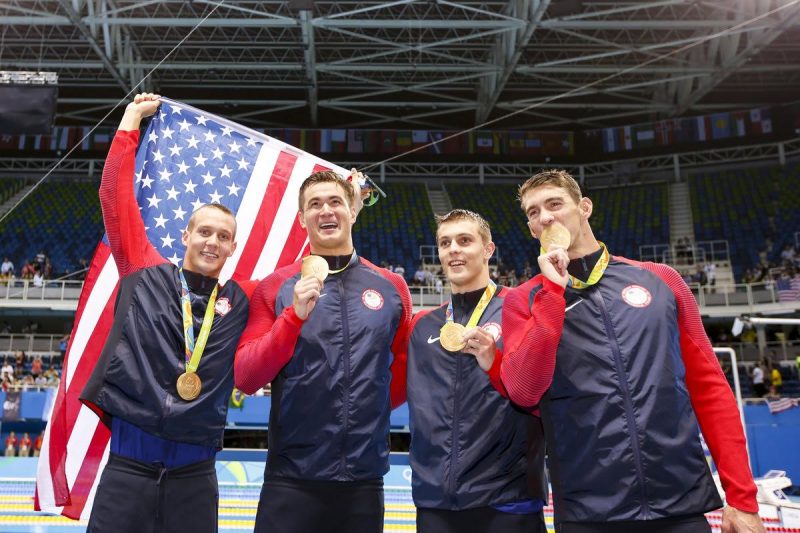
[339, 141]
[670, 132]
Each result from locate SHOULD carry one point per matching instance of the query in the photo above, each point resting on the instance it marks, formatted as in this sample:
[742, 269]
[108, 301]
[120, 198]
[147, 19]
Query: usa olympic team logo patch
[493, 329]
[636, 296]
[222, 307]
[372, 299]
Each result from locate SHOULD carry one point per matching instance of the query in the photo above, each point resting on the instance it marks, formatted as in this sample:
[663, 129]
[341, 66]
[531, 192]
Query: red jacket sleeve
[532, 335]
[397, 388]
[268, 342]
[123, 222]
[494, 374]
[711, 396]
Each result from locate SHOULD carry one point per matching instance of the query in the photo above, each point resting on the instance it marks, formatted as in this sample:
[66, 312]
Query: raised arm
[268, 341]
[532, 334]
[123, 222]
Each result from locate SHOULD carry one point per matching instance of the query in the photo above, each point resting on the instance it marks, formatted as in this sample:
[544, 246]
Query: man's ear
[300, 219]
[488, 250]
[586, 207]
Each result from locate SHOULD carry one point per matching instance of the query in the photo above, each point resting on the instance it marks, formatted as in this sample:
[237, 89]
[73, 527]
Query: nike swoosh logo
[573, 305]
[323, 294]
[431, 340]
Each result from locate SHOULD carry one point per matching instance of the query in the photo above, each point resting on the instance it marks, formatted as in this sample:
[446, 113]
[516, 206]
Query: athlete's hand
[736, 521]
[357, 178]
[480, 343]
[554, 264]
[143, 106]
[306, 294]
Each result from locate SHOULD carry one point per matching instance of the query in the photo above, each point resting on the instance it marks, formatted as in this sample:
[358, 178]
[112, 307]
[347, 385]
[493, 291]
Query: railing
[29, 342]
[749, 352]
[24, 289]
[736, 294]
[686, 255]
[426, 296]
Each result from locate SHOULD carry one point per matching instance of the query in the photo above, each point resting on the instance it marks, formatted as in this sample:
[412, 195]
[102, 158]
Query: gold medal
[314, 265]
[451, 337]
[555, 236]
[189, 386]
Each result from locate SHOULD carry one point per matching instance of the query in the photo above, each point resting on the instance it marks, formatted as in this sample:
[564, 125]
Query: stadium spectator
[25, 445]
[19, 364]
[710, 270]
[41, 260]
[775, 382]
[36, 366]
[400, 271]
[28, 270]
[37, 445]
[38, 278]
[7, 372]
[11, 445]
[52, 376]
[7, 268]
[788, 255]
[757, 377]
[419, 276]
[63, 344]
[27, 382]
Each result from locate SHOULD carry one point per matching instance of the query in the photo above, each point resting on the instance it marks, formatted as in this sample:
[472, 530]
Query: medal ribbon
[597, 272]
[194, 351]
[479, 309]
[351, 262]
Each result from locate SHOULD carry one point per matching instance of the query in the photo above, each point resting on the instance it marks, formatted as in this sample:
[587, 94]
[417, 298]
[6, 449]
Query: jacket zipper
[455, 434]
[346, 362]
[626, 396]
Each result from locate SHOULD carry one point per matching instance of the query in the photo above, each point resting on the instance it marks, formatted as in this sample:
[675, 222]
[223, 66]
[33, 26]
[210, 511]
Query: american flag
[186, 158]
[782, 404]
[788, 289]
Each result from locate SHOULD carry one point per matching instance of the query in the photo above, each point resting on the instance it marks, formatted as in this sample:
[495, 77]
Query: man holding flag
[165, 375]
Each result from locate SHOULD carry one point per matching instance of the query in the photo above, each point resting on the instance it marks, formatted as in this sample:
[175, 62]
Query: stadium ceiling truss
[561, 64]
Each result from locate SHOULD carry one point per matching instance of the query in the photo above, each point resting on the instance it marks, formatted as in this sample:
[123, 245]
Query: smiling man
[328, 332]
[614, 353]
[477, 460]
[165, 375]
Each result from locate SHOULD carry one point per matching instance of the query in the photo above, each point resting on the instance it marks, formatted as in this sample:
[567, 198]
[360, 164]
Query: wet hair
[327, 176]
[465, 214]
[555, 177]
[219, 207]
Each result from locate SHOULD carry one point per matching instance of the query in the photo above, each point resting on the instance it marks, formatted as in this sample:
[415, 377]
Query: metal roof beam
[310, 55]
[507, 50]
[74, 16]
[725, 55]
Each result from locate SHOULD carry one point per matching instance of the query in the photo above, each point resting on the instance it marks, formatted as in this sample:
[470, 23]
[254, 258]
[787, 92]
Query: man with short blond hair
[477, 461]
[164, 378]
